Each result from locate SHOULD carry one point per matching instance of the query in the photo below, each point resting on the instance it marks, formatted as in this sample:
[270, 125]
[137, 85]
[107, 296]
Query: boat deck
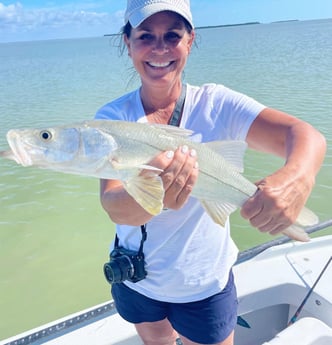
[271, 287]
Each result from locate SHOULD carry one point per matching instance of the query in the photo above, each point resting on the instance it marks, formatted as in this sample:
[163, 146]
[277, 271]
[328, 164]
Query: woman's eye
[172, 37]
[146, 37]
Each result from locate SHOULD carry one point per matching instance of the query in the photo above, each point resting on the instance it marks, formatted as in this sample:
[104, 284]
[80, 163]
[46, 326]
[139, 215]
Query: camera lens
[118, 269]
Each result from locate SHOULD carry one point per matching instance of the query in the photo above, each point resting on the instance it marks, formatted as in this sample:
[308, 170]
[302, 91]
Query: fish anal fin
[219, 212]
[148, 191]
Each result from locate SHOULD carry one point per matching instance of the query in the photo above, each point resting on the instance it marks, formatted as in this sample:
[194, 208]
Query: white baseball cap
[139, 10]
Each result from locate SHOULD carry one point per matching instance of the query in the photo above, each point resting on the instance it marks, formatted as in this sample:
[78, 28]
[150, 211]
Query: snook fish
[120, 150]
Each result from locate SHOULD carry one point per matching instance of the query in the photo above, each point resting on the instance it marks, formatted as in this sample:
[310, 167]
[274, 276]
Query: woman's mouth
[155, 64]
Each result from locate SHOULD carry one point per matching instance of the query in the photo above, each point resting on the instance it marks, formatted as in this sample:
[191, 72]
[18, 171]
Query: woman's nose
[160, 46]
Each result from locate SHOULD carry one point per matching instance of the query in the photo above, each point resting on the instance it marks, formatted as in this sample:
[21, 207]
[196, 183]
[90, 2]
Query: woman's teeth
[159, 64]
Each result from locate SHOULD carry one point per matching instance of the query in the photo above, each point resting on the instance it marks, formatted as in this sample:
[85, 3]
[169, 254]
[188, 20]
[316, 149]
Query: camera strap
[177, 112]
[143, 239]
[174, 121]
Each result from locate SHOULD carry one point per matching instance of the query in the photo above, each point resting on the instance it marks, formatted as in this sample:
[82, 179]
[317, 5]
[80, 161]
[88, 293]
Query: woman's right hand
[179, 175]
[179, 172]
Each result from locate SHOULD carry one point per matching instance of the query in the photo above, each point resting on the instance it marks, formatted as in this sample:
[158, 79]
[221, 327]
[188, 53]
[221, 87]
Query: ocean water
[54, 236]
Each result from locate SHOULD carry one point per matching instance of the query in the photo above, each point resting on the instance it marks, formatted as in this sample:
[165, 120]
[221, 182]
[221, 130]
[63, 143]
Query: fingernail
[184, 149]
[170, 154]
[196, 165]
[193, 153]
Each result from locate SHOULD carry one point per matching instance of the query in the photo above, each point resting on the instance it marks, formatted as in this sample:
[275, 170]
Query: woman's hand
[179, 175]
[278, 201]
[281, 196]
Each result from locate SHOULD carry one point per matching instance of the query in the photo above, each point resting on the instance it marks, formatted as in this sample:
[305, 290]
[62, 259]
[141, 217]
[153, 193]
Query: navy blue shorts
[208, 321]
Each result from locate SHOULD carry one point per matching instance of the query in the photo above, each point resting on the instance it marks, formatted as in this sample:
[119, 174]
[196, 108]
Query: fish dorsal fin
[232, 150]
[173, 130]
[219, 212]
[148, 191]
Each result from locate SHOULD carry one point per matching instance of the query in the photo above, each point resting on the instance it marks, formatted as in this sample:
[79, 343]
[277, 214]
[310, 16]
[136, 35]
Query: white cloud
[16, 19]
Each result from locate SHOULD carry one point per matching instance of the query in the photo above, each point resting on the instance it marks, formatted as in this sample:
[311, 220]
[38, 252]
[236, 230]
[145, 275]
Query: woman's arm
[282, 195]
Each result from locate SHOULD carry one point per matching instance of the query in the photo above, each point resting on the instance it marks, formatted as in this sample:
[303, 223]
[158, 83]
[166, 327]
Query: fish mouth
[18, 151]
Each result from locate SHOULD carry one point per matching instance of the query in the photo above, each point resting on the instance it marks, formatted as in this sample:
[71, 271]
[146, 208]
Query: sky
[28, 20]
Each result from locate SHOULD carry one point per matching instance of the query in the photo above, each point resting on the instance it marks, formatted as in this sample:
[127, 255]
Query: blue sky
[52, 19]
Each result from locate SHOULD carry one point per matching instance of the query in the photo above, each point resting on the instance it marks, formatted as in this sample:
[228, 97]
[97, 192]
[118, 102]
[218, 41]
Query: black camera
[124, 265]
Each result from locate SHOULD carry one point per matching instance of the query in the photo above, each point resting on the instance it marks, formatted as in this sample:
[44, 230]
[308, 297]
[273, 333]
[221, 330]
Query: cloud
[16, 19]
[16, 16]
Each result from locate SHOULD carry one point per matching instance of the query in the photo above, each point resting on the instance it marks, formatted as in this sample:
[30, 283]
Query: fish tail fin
[148, 191]
[305, 218]
[297, 233]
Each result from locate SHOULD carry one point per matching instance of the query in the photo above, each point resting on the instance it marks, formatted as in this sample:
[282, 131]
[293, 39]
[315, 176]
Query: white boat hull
[271, 286]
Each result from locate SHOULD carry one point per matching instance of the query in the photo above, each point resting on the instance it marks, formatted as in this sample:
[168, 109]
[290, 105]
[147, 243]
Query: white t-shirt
[188, 256]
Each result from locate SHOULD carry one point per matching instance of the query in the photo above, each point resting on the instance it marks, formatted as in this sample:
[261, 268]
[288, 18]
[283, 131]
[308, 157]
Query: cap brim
[138, 17]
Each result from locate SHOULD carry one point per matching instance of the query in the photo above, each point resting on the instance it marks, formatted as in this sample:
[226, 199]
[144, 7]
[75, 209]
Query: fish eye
[45, 135]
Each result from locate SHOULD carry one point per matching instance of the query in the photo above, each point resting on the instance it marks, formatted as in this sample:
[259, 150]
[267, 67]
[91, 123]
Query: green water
[54, 236]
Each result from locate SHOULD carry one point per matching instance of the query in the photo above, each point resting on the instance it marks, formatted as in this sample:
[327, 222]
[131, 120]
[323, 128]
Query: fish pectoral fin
[148, 191]
[121, 166]
[233, 151]
[296, 233]
[219, 212]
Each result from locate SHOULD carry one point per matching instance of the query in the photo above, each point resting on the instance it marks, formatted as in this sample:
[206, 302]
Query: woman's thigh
[157, 333]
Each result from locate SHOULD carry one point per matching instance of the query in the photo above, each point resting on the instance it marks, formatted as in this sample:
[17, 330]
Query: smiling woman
[188, 256]
[49, 220]
[159, 49]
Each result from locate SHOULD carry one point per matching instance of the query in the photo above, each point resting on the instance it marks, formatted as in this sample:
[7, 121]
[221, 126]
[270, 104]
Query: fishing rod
[252, 252]
[299, 309]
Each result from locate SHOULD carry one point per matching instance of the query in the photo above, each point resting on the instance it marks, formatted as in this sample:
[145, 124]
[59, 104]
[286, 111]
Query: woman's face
[159, 48]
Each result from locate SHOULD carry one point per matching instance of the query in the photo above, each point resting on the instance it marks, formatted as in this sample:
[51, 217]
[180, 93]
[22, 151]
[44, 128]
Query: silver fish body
[121, 150]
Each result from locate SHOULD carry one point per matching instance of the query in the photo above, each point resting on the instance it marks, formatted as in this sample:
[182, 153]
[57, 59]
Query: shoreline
[226, 25]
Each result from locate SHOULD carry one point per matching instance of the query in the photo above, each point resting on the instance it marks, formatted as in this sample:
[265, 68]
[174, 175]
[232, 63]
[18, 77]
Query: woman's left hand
[278, 201]
[281, 196]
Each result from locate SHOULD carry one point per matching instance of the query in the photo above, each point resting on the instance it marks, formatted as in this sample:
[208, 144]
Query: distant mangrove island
[228, 25]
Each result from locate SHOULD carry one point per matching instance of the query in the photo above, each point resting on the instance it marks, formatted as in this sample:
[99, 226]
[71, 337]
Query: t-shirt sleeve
[238, 111]
[125, 108]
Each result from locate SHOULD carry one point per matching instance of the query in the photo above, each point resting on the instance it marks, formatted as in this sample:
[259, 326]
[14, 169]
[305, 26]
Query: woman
[189, 290]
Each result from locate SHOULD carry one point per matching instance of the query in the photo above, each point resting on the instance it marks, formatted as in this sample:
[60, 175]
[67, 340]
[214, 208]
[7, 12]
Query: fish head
[42, 147]
[77, 148]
